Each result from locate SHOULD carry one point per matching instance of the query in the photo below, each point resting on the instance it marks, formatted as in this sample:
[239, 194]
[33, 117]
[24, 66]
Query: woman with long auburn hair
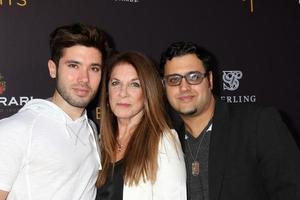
[141, 156]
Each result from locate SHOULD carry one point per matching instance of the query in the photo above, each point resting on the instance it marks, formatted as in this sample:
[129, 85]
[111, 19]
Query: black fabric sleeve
[279, 157]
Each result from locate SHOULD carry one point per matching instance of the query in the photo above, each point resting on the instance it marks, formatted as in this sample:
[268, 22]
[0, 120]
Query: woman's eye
[114, 83]
[135, 84]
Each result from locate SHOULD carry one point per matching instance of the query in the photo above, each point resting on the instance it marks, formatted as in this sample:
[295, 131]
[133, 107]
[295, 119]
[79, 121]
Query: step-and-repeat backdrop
[256, 43]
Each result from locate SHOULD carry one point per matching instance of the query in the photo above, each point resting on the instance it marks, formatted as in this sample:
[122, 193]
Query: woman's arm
[171, 175]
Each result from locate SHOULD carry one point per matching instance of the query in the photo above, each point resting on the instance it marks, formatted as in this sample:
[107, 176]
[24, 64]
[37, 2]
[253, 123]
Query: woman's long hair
[140, 158]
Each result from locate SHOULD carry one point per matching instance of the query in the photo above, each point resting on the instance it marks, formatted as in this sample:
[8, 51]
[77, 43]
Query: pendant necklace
[122, 146]
[195, 163]
[119, 147]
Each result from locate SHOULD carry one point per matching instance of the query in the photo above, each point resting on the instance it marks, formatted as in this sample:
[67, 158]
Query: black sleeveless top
[113, 188]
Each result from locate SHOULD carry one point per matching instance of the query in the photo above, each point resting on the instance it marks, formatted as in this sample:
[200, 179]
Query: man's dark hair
[77, 34]
[183, 48]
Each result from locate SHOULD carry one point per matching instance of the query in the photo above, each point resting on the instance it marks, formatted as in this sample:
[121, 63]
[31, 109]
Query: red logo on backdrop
[2, 84]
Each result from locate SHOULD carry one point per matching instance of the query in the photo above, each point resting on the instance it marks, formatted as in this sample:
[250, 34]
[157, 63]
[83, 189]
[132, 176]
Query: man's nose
[184, 85]
[84, 76]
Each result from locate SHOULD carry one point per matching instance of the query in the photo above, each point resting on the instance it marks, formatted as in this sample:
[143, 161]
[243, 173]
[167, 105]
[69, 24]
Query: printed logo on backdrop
[2, 85]
[251, 5]
[231, 82]
[98, 112]
[10, 104]
[12, 3]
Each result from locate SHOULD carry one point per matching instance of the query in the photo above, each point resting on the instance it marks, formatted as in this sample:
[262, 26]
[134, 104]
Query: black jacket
[252, 155]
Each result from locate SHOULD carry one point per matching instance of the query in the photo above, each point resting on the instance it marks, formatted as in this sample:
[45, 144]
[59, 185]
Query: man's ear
[52, 68]
[211, 80]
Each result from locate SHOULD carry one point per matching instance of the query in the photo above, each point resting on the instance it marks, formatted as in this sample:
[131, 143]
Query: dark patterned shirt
[197, 186]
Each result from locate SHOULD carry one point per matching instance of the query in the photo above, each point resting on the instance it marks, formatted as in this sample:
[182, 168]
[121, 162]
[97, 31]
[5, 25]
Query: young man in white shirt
[49, 149]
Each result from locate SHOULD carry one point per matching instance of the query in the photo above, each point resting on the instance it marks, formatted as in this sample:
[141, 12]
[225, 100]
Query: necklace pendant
[195, 168]
[120, 147]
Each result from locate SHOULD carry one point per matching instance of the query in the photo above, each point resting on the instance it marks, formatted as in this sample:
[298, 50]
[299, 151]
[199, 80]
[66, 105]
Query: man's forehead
[74, 53]
[183, 64]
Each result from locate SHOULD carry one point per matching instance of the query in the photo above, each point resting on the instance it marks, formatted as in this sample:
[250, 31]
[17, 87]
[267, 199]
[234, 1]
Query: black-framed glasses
[192, 78]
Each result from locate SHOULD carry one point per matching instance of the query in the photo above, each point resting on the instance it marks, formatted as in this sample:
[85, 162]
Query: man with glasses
[232, 152]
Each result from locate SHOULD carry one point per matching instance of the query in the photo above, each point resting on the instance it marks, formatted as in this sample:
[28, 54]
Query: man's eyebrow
[73, 61]
[77, 62]
[96, 64]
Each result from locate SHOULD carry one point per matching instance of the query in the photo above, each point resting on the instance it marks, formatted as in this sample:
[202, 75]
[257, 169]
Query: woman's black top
[113, 188]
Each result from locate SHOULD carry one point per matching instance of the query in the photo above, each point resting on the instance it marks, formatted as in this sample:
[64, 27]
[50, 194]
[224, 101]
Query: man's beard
[71, 100]
[188, 113]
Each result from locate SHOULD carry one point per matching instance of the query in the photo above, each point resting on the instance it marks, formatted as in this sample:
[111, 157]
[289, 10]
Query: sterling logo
[231, 83]
[2, 85]
[231, 80]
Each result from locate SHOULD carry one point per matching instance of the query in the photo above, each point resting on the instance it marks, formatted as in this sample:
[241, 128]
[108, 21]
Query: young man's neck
[73, 112]
[196, 124]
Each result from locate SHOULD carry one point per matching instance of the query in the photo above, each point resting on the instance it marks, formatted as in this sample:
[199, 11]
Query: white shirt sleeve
[171, 175]
[12, 151]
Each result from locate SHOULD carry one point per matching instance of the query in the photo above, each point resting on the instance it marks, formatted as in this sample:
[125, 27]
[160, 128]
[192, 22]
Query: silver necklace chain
[198, 148]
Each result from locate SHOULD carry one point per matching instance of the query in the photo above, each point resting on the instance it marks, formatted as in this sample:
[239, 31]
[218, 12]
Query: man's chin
[80, 103]
[188, 112]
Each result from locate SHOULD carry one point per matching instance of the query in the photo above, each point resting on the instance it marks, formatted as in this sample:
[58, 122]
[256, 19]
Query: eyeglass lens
[192, 78]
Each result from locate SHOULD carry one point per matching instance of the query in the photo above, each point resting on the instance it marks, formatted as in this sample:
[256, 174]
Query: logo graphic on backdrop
[2, 84]
[251, 5]
[98, 112]
[231, 82]
[10, 105]
[20, 3]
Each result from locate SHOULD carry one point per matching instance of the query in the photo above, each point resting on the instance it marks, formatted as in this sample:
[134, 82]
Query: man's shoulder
[244, 108]
[18, 121]
[247, 111]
